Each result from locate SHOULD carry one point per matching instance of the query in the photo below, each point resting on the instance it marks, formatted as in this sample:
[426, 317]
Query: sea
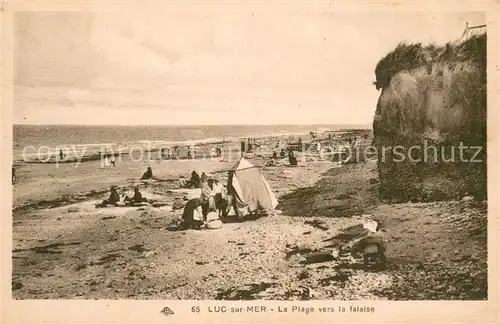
[54, 137]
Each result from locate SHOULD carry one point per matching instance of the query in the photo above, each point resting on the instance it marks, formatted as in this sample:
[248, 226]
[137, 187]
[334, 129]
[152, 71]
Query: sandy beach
[64, 247]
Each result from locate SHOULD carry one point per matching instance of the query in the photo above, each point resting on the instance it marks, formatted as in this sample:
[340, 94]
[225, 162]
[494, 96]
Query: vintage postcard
[214, 161]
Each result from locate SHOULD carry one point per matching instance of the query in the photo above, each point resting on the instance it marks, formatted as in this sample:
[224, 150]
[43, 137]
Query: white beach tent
[250, 188]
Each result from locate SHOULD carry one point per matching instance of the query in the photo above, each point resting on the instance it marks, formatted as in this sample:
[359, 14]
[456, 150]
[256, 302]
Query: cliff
[432, 105]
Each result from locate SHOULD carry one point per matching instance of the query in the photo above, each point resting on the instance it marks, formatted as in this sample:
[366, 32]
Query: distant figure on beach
[148, 174]
[106, 161]
[13, 175]
[191, 153]
[113, 161]
[291, 158]
[282, 153]
[61, 154]
[275, 152]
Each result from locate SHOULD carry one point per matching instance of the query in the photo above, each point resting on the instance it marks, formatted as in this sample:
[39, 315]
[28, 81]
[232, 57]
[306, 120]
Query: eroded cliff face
[430, 122]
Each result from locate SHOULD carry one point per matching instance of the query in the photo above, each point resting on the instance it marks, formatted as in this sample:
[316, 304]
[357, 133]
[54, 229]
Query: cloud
[255, 67]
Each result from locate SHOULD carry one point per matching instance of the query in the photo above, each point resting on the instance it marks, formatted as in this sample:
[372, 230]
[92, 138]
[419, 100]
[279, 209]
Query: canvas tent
[250, 188]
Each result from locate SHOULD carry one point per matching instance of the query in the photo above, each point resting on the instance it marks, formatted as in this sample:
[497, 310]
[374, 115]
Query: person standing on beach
[106, 161]
[61, 154]
[113, 161]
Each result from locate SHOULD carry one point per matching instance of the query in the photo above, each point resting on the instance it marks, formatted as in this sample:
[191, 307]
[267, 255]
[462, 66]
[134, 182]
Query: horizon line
[191, 125]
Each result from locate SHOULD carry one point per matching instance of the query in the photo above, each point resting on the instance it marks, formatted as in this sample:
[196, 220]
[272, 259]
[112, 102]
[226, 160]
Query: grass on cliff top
[406, 57]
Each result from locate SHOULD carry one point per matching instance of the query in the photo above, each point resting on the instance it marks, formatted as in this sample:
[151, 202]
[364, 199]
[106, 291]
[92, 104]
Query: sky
[153, 66]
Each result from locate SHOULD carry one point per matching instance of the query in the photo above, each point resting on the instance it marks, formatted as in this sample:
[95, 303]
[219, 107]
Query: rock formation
[430, 121]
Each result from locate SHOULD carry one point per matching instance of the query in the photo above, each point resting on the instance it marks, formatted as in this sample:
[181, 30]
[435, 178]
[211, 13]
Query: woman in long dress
[106, 162]
[192, 216]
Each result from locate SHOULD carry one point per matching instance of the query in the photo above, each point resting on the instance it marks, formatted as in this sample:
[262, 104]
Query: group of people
[114, 198]
[216, 151]
[292, 160]
[191, 153]
[109, 160]
[203, 209]
[168, 153]
[195, 181]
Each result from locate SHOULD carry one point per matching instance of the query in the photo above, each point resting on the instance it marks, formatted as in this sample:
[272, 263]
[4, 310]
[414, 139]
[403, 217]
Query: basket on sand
[213, 221]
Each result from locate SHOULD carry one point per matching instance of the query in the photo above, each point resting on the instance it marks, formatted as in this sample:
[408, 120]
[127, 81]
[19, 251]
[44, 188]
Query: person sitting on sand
[137, 198]
[148, 174]
[192, 216]
[195, 179]
[275, 152]
[113, 199]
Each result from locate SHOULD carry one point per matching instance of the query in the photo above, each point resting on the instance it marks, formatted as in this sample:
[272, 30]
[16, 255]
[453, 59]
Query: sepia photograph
[240, 155]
